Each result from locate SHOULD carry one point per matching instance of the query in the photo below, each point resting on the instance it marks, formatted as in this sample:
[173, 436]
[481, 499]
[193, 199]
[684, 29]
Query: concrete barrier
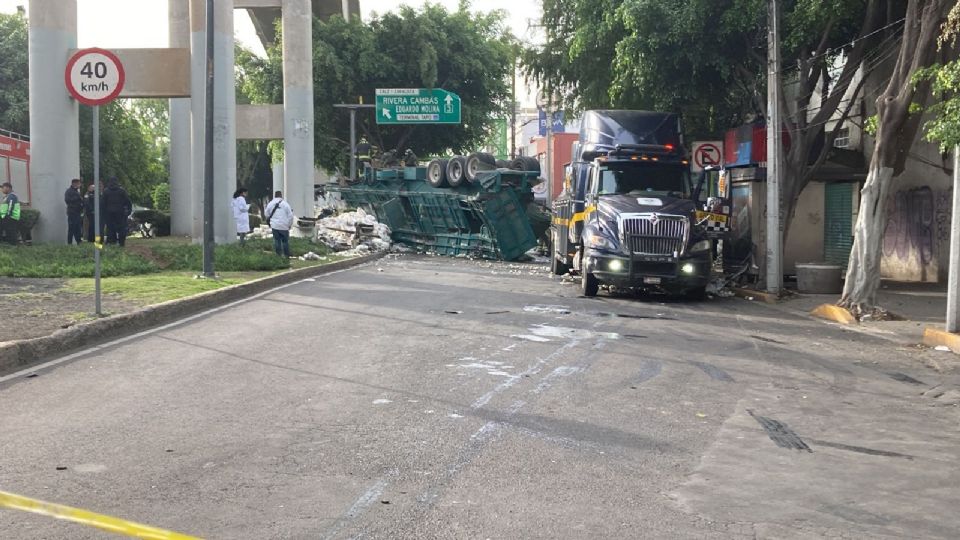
[16, 355]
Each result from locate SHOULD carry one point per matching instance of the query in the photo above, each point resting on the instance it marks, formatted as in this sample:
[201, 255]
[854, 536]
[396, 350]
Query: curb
[934, 337]
[19, 354]
[834, 313]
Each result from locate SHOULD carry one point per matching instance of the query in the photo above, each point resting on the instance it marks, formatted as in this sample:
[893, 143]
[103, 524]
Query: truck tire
[456, 171]
[502, 164]
[697, 294]
[437, 173]
[557, 268]
[589, 284]
[526, 163]
[479, 161]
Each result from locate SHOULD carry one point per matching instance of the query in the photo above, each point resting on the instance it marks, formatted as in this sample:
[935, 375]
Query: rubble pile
[355, 231]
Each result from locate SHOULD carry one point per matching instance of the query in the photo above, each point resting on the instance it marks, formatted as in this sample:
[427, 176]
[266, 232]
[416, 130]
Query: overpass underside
[265, 18]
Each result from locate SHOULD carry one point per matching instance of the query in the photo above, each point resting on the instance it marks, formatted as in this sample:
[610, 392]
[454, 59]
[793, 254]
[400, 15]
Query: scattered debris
[311, 256]
[943, 348]
[352, 230]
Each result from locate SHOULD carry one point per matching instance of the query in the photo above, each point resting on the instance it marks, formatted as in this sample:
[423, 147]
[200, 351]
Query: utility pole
[513, 113]
[208, 153]
[352, 107]
[549, 175]
[953, 280]
[774, 255]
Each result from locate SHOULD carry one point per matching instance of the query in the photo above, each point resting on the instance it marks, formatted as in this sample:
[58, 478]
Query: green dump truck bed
[486, 218]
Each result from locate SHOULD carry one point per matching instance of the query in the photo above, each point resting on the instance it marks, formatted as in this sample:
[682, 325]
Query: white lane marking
[529, 337]
[541, 308]
[562, 371]
[381, 401]
[532, 370]
[369, 496]
[167, 326]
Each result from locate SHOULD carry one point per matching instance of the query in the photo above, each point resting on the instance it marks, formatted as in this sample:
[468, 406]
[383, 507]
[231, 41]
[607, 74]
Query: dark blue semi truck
[630, 215]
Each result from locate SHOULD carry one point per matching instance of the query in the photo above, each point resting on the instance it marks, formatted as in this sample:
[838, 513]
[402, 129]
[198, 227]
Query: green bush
[159, 220]
[161, 198]
[28, 220]
[51, 261]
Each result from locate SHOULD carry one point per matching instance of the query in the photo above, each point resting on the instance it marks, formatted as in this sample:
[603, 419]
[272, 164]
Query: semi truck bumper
[686, 272]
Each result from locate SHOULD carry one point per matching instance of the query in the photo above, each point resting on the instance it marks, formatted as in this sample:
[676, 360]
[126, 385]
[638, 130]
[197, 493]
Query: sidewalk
[919, 304]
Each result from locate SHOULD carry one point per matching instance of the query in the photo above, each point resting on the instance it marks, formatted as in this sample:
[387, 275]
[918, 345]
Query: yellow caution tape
[579, 216]
[90, 519]
[98, 242]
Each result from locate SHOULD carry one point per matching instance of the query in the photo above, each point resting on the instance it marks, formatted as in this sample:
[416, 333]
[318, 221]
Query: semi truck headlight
[616, 265]
[599, 242]
[702, 245]
[688, 268]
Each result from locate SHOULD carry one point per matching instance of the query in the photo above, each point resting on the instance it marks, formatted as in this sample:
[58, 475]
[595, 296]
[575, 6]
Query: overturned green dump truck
[485, 213]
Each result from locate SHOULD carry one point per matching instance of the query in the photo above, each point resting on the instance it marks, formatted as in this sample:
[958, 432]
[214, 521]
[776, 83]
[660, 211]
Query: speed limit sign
[94, 76]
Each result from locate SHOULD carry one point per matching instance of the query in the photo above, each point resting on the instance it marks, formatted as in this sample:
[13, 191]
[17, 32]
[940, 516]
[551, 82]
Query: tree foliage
[460, 51]
[944, 127]
[14, 109]
[133, 133]
[127, 150]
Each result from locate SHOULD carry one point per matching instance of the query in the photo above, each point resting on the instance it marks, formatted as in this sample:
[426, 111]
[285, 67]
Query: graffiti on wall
[918, 220]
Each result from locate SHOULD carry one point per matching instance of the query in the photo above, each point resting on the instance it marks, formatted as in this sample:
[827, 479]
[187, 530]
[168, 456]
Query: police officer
[9, 214]
[74, 202]
[116, 207]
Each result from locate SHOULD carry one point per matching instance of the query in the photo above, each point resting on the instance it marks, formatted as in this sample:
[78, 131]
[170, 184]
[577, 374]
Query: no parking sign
[706, 153]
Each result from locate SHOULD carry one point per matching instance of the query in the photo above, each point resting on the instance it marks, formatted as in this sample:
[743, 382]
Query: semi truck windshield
[644, 178]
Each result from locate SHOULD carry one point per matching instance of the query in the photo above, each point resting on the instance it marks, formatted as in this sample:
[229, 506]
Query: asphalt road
[435, 398]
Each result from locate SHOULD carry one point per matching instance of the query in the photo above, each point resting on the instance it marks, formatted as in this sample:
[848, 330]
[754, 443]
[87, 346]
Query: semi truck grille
[654, 234]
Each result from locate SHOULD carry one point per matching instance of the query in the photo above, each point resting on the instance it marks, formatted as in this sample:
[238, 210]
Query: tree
[460, 51]
[944, 127]
[133, 138]
[14, 109]
[898, 119]
[707, 60]
[127, 150]
[256, 83]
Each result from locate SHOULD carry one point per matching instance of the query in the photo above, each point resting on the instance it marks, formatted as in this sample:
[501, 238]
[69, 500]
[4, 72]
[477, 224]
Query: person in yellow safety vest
[9, 214]
[363, 155]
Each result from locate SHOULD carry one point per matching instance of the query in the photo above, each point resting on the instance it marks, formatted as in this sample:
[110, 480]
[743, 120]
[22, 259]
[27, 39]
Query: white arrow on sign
[449, 100]
[386, 114]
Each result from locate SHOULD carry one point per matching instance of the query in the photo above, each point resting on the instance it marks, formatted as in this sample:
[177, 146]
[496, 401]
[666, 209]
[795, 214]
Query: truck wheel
[502, 164]
[557, 268]
[456, 171]
[437, 173]
[589, 284]
[526, 163]
[478, 161]
[697, 294]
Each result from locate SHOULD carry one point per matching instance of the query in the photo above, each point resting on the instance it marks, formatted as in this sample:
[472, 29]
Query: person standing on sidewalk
[89, 207]
[9, 214]
[116, 207]
[74, 202]
[241, 214]
[280, 220]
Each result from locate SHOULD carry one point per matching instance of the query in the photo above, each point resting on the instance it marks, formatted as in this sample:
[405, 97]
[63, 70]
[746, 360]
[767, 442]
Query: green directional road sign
[417, 106]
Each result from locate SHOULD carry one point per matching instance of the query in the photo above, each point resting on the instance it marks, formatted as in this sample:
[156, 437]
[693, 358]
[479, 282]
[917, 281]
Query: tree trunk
[896, 131]
[860, 289]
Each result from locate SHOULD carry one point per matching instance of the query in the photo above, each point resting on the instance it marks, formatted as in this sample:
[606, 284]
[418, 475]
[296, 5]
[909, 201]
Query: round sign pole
[95, 77]
[97, 241]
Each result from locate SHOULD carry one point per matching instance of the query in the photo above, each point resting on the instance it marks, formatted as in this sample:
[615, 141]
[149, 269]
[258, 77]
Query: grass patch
[148, 256]
[156, 288]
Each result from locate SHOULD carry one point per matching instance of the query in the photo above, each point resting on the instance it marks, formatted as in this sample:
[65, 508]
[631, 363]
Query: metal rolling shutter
[838, 225]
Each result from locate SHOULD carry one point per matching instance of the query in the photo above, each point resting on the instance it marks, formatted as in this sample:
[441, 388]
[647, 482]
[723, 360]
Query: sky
[107, 23]
[110, 23]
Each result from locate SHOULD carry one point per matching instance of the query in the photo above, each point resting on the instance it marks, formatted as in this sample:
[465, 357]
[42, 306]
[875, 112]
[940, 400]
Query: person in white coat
[241, 214]
[279, 215]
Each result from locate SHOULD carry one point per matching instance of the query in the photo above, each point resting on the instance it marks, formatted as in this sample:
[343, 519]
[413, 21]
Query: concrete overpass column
[278, 177]
[298, 171]
[198, 77]
[54, 115]
[224, 117]
[224, 123]
[181, 194]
